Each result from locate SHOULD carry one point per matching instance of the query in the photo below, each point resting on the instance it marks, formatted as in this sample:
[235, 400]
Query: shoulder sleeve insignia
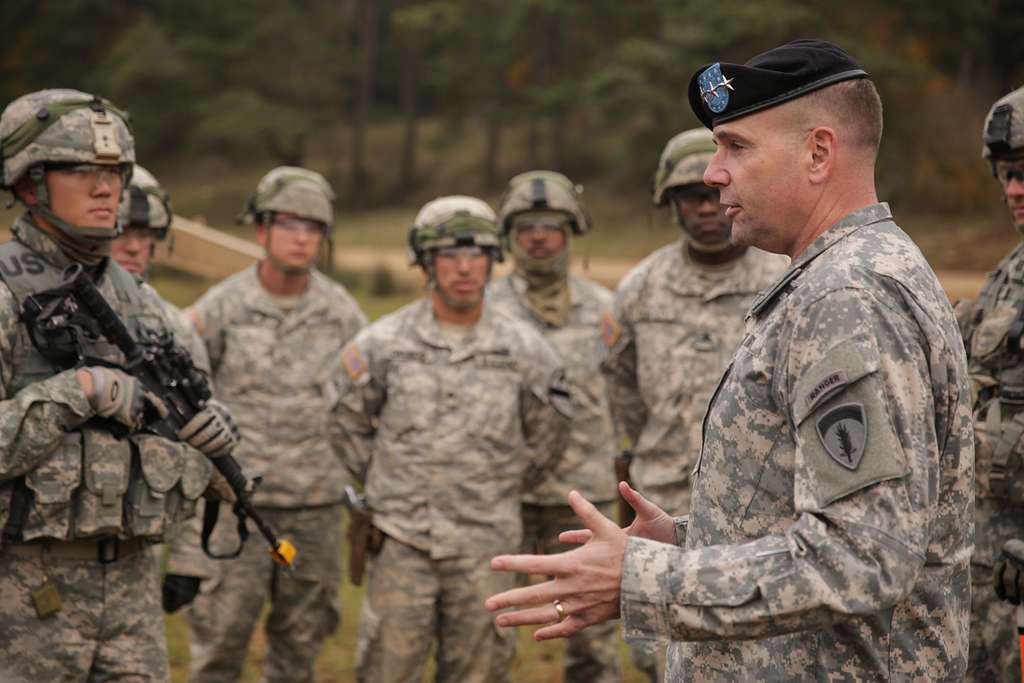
[611, 330]
[353, 361]
[843, 431]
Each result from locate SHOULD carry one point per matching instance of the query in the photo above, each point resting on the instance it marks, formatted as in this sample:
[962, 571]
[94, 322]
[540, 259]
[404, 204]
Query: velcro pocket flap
[162, 461]
[56, 478]
[195, 474]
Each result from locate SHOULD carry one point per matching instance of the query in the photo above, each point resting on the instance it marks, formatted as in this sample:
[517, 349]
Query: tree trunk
[411, 58]
[360, 177]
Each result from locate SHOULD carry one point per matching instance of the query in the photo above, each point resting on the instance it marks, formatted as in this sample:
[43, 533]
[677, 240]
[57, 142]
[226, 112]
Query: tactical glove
[1008, 571]
[179, 591]
[211, 431]
[119, 396]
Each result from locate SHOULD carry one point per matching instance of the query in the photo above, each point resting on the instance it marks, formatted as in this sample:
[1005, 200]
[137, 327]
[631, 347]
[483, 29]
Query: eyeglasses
[295, 225]
[454, 253]
[93, 173]
[539, 227]
[1007, 174]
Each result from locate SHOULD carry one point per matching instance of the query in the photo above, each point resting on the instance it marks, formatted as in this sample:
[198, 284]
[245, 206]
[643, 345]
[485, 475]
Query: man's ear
[823, 144]
[25, 190]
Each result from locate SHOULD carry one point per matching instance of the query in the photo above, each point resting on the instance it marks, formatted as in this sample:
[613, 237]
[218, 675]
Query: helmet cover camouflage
[144, 204]
[453, 221]
[543, 191]
[62, 126]
[1003, 131]
[290, 189]
[683, 162]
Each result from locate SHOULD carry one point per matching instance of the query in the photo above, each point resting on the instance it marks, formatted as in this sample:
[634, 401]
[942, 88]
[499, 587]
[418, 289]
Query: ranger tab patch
[611, 330]
[843, 431]
[355, 365]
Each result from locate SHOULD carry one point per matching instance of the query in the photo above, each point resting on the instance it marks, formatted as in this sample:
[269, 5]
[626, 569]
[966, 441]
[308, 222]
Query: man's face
[757, 171]
[85, 194]
[460, 274]
[1010, 174]
[540, 236]
[700, 214]
[291, 242]
[132, 250]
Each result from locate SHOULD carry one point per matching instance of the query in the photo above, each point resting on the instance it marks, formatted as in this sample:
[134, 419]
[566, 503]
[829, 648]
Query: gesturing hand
[585, 587]
[650, 522]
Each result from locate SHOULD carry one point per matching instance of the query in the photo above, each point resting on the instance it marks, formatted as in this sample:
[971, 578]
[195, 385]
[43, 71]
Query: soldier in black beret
[831, 518]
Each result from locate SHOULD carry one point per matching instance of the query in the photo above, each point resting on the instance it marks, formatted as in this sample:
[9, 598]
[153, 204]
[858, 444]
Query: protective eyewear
[454, 253]
[295, 225]
[1007, 174]
[93, 173]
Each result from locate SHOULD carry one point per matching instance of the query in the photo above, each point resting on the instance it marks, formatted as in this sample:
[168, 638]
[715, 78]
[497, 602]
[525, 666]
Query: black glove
[1008, 571]
[179, 591]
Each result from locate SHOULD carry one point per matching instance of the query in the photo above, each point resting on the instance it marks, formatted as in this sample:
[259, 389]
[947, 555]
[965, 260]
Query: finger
[562, 629]
[552, 565]
[643, 507]
[536, 594]
[590, 515]
[545, 614]
[576, 536]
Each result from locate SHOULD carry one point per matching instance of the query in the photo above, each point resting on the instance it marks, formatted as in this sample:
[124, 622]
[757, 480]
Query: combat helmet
[63, 126]
[1003, 131]
[294, 190]
[543, 191]
[453, 221]
[682, 162]
[145, 205]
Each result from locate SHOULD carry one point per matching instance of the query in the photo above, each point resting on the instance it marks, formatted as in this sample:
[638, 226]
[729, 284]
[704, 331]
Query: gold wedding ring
[562, 614]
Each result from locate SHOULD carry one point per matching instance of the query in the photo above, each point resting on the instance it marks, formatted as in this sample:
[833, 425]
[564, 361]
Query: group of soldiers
[812, 414]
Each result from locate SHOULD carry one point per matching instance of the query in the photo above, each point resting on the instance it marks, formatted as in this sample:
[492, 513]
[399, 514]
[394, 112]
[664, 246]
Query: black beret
[722, 92]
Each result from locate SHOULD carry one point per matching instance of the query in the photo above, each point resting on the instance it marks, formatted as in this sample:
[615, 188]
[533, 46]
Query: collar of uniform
[483, 339]
[310, 301]
[28, 233]
[845, 226]
[690, 278]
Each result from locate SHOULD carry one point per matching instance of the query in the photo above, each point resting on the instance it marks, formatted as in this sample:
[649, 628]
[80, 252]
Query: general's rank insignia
[714, 88]
[843, 431]
[355, 365]
[611, 330]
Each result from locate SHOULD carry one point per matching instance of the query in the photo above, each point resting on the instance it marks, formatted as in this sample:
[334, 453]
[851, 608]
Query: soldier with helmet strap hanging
[540, 214]
[84, 490]
[446, 411]
[270, 331]
[678, 317]
[992, 327]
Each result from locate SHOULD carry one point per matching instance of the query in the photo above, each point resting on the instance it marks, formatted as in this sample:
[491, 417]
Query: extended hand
[585, 584]
[212, 430]
[650, 522]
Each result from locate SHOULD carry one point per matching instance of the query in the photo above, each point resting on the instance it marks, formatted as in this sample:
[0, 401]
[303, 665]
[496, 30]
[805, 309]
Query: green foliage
[591, 87]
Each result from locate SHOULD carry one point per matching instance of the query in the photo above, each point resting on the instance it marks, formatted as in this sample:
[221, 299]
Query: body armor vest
[98, 482]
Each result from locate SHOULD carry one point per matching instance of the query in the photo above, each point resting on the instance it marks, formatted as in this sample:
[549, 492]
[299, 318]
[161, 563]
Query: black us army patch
[843, 431]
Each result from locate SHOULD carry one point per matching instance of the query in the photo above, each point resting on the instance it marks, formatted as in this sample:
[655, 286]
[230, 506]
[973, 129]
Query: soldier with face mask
[446, 411]
[539, 215]
[270, 331]
[678, 317]
[992, 327]
[84, 490]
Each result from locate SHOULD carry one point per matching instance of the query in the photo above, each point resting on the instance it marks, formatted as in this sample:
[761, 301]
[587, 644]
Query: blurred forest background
[398, 101]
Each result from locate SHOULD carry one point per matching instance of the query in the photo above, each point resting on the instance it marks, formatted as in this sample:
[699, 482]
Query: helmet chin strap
[714, 248]
[78, 233]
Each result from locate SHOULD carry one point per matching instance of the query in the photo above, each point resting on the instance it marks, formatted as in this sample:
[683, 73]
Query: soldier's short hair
[852, 107]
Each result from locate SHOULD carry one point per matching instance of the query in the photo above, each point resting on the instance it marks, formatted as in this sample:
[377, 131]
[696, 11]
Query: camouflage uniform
[445, 441]
[96, 501]
[260, 354]
[592, 656]
[831, 524]
[676, 323]
[997, 376]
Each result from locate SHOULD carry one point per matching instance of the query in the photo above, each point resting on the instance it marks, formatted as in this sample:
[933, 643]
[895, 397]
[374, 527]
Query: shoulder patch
[610, 328]
[191, 315]
[843, 431]
[353, 361]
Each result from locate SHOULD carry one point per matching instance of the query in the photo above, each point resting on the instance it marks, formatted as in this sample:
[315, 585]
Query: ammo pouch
[97, 485]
